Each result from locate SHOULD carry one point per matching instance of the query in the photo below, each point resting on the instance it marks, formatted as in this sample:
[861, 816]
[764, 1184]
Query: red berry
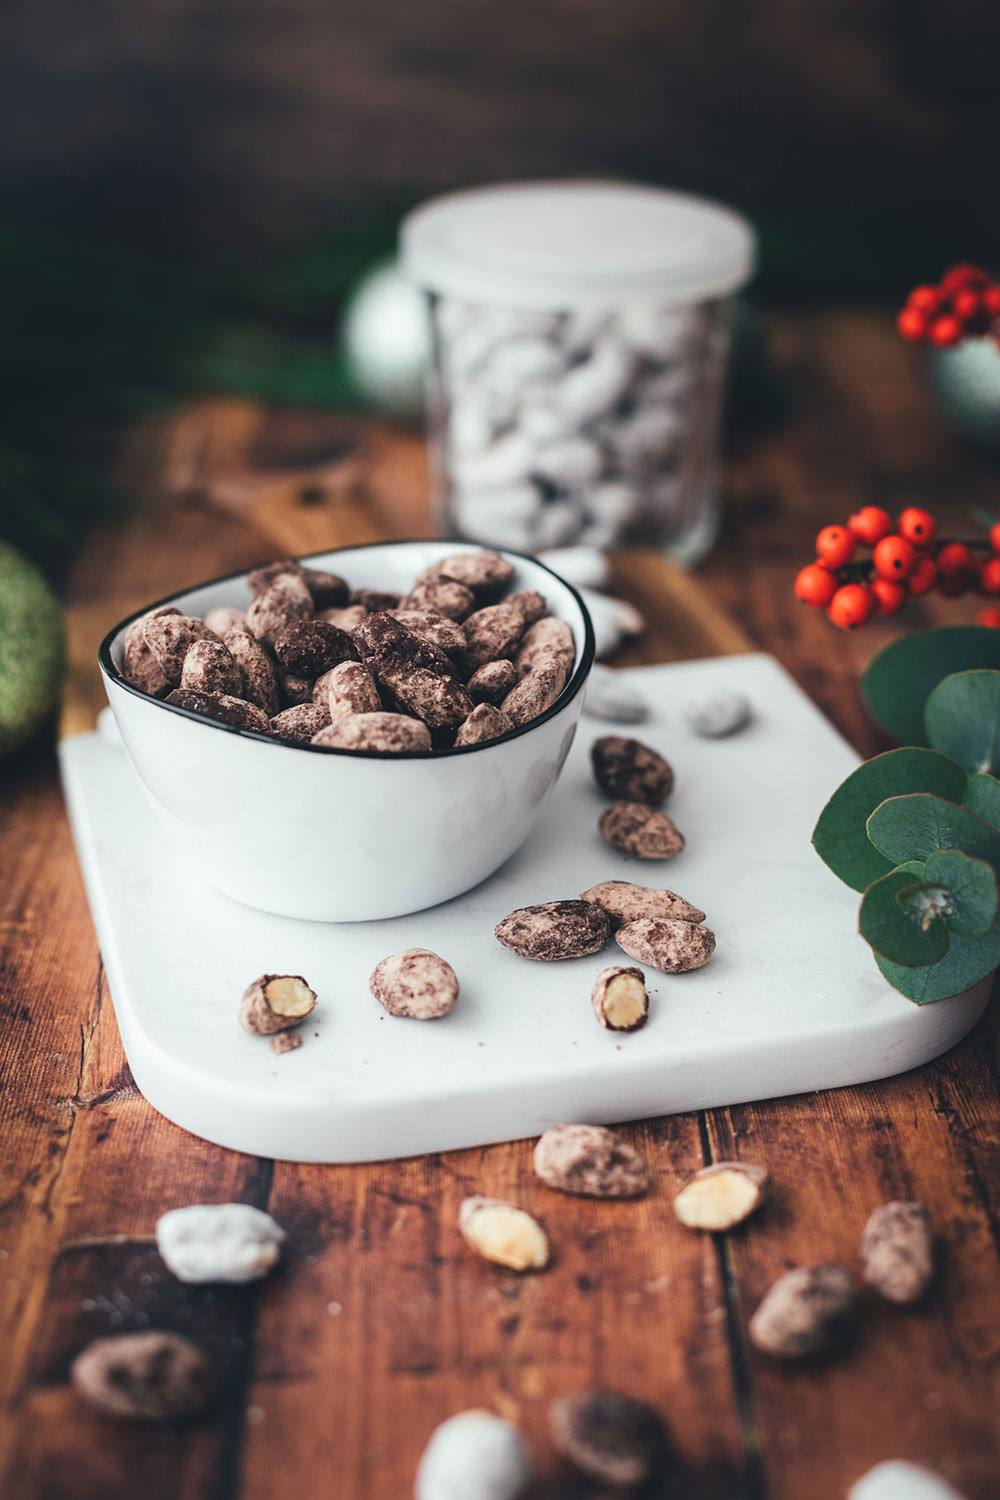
[962, 276]
[917, 526]
[894, 558]
[953, 585]
[912, 324]
[834, 546]
[924, 576]
[989, 616]
[869, 524]
[945, 332]
[991, 300]
[995, 536]
[954, 560]
[924, 299]
[815, 586]
[889, 597]
[850, 606]
[989, 576]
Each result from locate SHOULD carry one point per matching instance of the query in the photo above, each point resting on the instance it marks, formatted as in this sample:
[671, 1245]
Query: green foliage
[918, 825]
[892, 921]
[840, 835]
[897, 681]
[962, 719]
[982, 796]
[918, 829]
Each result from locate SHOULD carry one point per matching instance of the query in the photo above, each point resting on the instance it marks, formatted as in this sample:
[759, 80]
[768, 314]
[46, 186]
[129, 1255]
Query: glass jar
[581, 331]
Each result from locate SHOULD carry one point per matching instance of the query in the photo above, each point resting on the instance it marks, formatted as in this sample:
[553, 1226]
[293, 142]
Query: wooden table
[334, 1372]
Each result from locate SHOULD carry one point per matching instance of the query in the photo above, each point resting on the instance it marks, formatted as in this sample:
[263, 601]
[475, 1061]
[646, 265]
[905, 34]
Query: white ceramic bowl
[346, 835]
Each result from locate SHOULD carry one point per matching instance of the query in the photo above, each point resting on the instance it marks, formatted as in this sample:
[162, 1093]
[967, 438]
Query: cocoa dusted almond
[140, 665]
[447, 635]
[721, 1196]
[672, 946]
[639, 830]
[285, 600]
[809, 1312]
[260, 680]
[300, 722]
[630, 771]
[490, 634]
[308, 648]
[625, 902]
[612, 1438]
[274, 1002]
[897, 1252]
[347, 689]
[142, 1377]
[590, 1161]
[418, 984]
[442, 597]
[536, 692]
[227, 710]
[389, 734]
[484, 723]
[482, 572]
[209, 667]
[555, 930]
[491, 682]
[619, 998]
[169, 637]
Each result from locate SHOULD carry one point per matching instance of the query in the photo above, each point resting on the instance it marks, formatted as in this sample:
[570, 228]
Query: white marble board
[790, 1002]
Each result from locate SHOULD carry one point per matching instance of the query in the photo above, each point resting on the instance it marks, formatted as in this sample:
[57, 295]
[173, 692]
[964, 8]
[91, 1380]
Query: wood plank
[921, 1383]
[441, 1330]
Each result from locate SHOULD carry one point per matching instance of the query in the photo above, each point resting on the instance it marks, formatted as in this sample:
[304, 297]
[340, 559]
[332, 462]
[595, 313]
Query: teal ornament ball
[966, 381]
[387, 341]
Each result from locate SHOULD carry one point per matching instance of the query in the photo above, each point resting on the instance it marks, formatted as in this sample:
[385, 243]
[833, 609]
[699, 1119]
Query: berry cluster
[909, 561]
[965, 304]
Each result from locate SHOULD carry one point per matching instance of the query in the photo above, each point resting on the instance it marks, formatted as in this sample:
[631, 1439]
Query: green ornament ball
[32, 649]
[387, 340]
[966, 381]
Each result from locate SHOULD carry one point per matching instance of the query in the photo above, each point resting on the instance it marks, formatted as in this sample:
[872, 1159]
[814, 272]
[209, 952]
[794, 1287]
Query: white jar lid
[556, 244]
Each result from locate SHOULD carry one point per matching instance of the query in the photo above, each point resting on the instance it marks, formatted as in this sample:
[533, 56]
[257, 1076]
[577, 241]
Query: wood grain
[381, 1323]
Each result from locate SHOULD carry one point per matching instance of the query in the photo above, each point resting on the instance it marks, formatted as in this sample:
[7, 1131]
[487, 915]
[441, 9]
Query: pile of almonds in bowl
[458, 660]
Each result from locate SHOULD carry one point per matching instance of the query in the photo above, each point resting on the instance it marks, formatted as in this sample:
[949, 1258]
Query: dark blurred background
[225, 129]
[190, 187]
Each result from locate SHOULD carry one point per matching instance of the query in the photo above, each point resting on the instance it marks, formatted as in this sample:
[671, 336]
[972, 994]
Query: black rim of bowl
[567, 695]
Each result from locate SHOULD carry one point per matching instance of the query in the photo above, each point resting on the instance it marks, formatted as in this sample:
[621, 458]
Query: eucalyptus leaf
[962, 719]
[896, 930]
[967, 961]
[898, 681]
[972, 891]
[919, 825]
[982, 796]
[839, 836]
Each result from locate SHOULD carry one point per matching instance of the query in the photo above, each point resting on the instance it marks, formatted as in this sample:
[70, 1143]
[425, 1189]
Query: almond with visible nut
[721, 1196]
[619, 998]
[504, 1234]
[274, 1002]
